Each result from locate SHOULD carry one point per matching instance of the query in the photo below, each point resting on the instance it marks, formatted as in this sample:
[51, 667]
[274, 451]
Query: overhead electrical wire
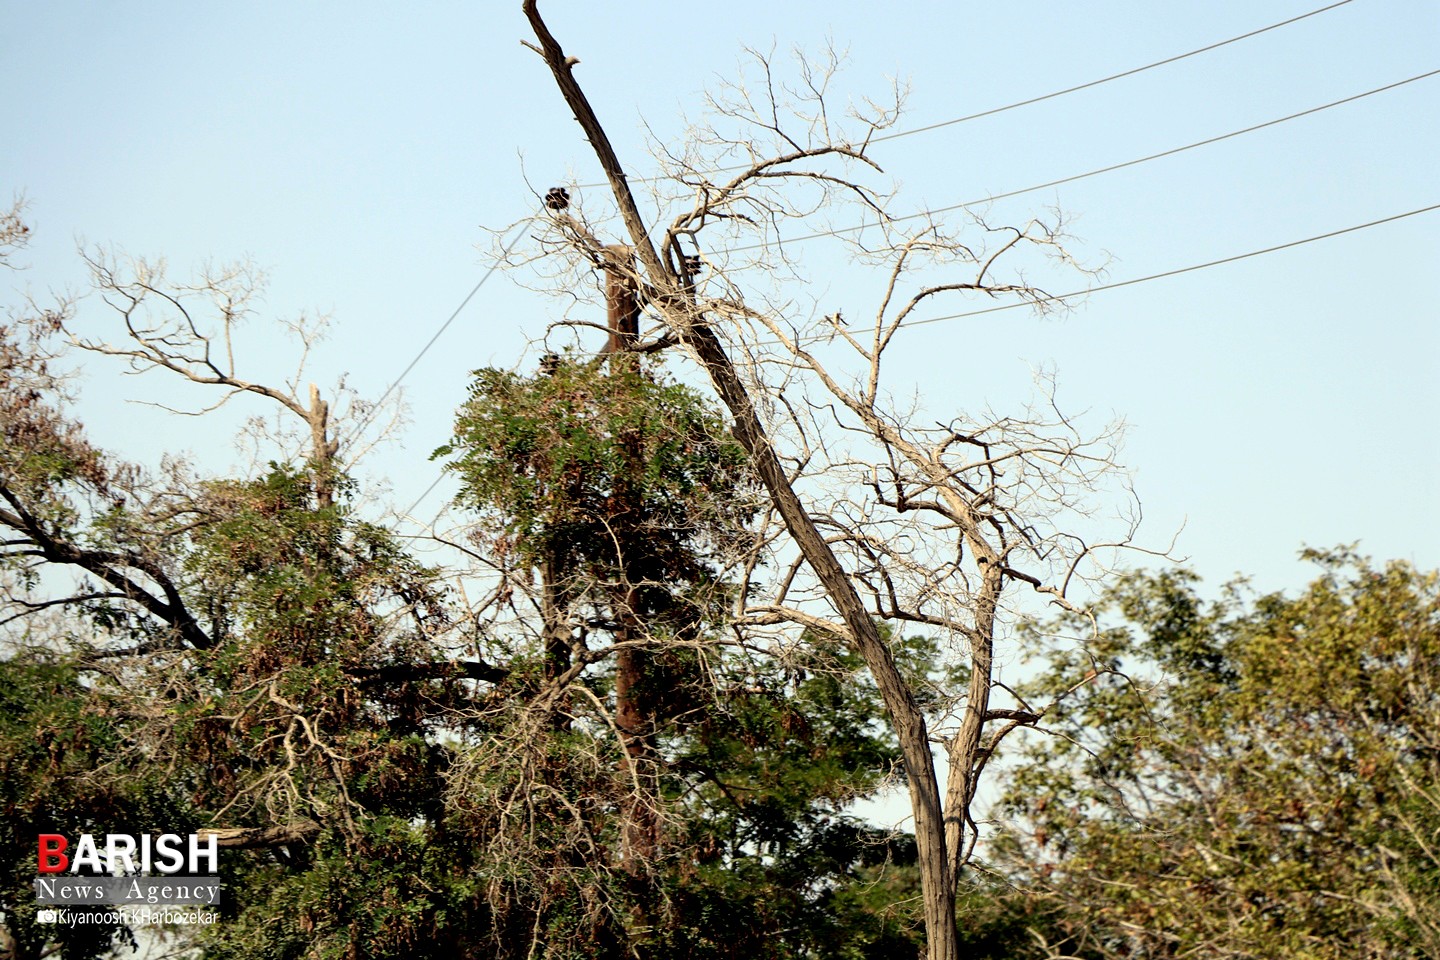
[1179, 270]
[1058, 93]
[1092, 173]
[421, 499]
[1114, 76]
[975, 116]
[946, 123]
[1002, 196]
[438, 333]
[1112, 286]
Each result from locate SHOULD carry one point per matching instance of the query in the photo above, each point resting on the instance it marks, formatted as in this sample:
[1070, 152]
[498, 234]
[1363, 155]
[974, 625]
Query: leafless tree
[14, 231]
[891, 516]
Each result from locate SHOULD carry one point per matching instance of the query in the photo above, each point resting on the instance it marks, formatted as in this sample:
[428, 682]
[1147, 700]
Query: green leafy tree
[55, 741]
[242, 655]
[1256, 776]
[699, 778]
[391, 765]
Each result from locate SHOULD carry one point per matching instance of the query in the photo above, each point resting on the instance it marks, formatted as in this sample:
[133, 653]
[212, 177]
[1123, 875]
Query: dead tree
[925, 524]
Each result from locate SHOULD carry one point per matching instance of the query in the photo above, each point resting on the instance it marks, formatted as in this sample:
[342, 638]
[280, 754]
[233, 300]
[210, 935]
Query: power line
[1113, 76]
[1114, 286]
[1051, 96]
[438, 333]
[1092, 173]
[428, 490]
[1179, 270]
[964, 119]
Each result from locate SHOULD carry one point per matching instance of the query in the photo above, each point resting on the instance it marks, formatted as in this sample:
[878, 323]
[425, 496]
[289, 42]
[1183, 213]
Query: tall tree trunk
[635, 709]
[679, 311]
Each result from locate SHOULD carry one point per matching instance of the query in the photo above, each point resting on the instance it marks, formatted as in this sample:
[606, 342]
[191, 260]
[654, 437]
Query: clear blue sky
[357, 150]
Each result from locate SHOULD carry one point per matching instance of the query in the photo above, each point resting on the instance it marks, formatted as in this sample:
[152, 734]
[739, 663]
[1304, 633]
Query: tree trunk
[679, 312]
[937, 881]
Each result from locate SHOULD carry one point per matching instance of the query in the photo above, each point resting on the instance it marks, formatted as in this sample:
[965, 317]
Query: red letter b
[52, 858]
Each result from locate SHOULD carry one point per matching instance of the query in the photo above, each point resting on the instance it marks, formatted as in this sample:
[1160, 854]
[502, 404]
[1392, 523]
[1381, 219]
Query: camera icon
[47, 916]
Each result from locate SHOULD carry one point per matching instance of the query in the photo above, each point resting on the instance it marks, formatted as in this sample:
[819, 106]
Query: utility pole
[635, 711]
[622, 302]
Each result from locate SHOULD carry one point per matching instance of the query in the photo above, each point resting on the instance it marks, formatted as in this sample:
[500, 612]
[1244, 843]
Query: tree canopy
[1252, 776]
[589, 761]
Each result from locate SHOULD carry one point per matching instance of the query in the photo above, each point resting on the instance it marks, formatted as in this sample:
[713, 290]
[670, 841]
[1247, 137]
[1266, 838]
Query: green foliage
[626, 493]
[768, 856]
[564, 463]
[54, 743]
[1265, 782]
[328, 686]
